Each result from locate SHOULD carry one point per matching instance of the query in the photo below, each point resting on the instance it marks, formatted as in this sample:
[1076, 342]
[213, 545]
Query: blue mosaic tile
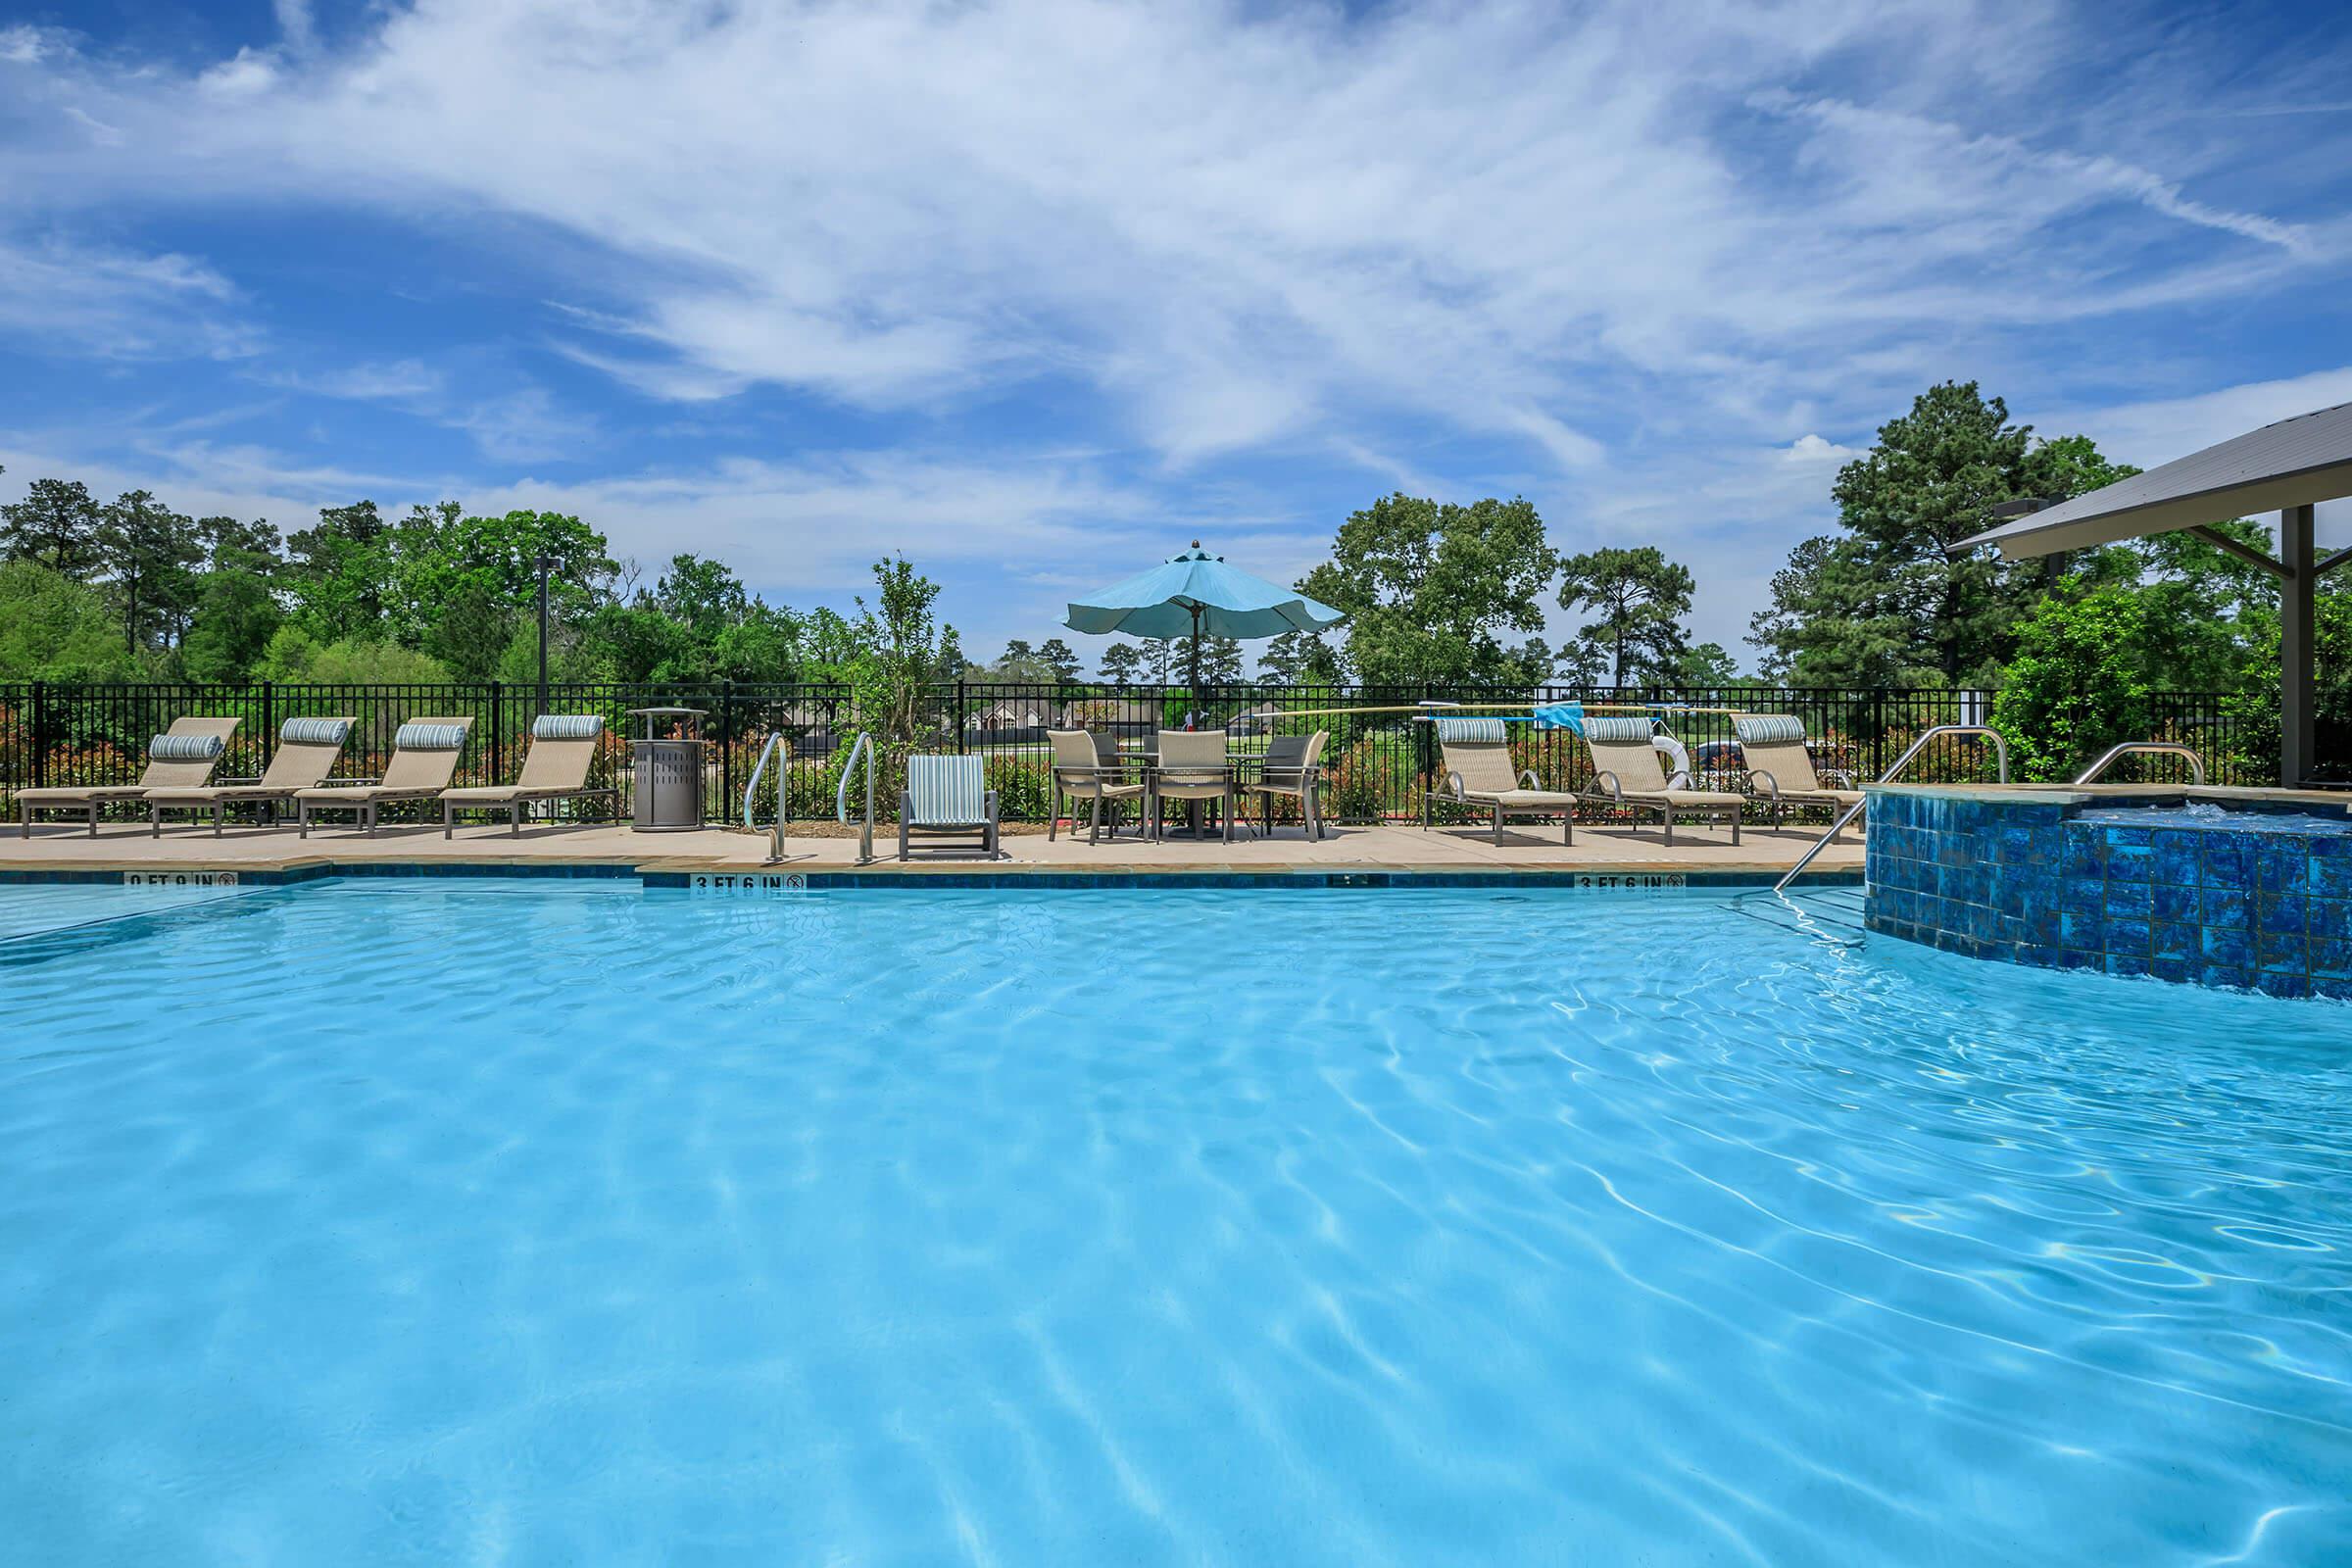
[2173, 968]
[2129, 862]
[2283, 916]
[2176, 940]
[2276, 984]
[2331, 957]
[2234, 949]
[2229, 860]
[2127, 964]
[2084, 895]
[2224, 974]
[2130, 898]
[2083, 852]
[2176, 855]
[2328, 917]
[2174, 902]
[2281, 952]
[2340, 990]
[2127, 936]
[2229, 908]
[2284, 867]
[2330, 873]
[2085, 931]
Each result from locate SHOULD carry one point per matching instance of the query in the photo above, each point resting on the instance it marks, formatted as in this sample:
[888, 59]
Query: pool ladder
[2000, 749]
[864, 744]
[2196, 763]
[780, 748]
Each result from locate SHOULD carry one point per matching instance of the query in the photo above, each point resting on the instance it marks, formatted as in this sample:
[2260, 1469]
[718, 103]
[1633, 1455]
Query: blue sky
[1039, 293]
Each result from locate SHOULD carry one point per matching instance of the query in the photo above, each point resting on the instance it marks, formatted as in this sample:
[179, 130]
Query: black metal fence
[1380, 758]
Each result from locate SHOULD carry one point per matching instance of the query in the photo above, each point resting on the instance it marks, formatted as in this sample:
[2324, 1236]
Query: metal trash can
[669, 751]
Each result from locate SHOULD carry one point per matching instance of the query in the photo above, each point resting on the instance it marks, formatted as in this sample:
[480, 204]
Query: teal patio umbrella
[1196, 594]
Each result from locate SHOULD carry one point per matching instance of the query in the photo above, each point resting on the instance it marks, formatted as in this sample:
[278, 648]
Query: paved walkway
[1535, 848]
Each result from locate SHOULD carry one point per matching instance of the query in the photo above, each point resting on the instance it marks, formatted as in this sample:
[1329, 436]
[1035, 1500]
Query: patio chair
[947, 795]
[1627, 776]
[1774, 752]
[424, 759]
[555, 767]
[1192, 768]
[308, 749]
[1478, 772]
[182, 756]
[1294, 769]
[1080, 773]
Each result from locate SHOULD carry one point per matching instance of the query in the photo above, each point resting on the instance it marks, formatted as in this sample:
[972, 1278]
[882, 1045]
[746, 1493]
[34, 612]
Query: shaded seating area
[183, 756]
[308, 749]
[948, 796]
[1477, 756]
[1292, 770]
[1779, 764]
[1082, 773]
[555, 767]
[1627, 776]
[424, 759]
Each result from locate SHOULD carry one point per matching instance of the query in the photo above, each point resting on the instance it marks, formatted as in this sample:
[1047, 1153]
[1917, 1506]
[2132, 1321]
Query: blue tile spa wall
[2030, 884]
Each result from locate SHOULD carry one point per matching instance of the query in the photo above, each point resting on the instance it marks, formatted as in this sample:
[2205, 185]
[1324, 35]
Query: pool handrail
[776, 740]
[2000, 749]
[2196, 763]
[865, 742]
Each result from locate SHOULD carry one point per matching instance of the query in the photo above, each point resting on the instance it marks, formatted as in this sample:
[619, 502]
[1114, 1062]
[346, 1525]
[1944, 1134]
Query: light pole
[546, 564]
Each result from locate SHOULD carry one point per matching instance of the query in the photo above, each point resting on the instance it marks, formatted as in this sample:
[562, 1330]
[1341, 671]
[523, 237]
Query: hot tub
[2224, 887]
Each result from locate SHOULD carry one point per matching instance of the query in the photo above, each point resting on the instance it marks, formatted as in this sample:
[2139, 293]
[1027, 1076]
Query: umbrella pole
[1196, 610]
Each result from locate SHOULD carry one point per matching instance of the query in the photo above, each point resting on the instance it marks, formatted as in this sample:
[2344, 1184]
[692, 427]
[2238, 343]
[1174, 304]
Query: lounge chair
[1294, 769]
[1772, 747]
[947, 795]
[308, 749]
[1628, 778]
[1192, 768]
[555, 769]
[1080, 773]
[1478, 772]
[181, 758]
[424, 759]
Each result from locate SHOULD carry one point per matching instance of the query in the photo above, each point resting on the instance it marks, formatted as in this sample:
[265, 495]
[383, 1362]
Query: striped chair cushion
[314, 731]
[1486, 730]
[414, 737]
[946, 791]
[1619, 730]
[567, 726]
[1762, 729]
[186, 748]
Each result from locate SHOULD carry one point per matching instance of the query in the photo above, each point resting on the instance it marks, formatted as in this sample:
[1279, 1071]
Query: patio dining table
[1146, 759]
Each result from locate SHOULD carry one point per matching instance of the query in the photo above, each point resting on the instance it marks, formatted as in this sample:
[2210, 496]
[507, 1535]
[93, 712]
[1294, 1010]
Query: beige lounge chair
[308, 749]
[556, 768]
[1292, 770]
[1772, 747]
[1080, 773]
[1478, 772]
[181, 757]
[1627, 776]
[1192, 768]
[424, 759]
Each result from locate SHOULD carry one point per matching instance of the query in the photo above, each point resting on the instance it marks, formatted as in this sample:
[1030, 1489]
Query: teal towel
[1569, 717]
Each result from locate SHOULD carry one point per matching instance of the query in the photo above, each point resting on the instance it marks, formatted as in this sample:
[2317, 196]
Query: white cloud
[1240, 227]
[1814, 451]
[116, 304]
[2149, 433]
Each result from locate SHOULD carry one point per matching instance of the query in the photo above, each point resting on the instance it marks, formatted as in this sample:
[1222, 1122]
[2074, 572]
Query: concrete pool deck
[1599, 850]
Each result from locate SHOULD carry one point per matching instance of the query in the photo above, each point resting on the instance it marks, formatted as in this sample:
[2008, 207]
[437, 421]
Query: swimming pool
[444, 1222]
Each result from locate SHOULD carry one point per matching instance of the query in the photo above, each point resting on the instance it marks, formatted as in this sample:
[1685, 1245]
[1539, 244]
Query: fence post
[726, 750]
[40, 734]
[268, 714]
[498, 731]
[962, 745]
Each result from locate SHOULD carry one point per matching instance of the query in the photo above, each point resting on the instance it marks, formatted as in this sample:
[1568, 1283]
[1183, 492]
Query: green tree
[471, 630]
[1708, 666]
[905, 648]
[56, 524]
[1057, 658]
[53, 627]
[1122, 662]
[1431, 590]
[341, 573]
[1299, 659]
[148, 552]
[1883, 604]
[1220, 660]
[236, 616]
[2076, 686]
[1642, 597]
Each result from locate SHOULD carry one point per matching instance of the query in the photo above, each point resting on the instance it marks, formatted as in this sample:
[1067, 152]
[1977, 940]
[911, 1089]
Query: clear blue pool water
[456, 1223]
[2205, 815]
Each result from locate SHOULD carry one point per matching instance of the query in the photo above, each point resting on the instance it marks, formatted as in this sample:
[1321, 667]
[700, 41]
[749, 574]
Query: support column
[2297, 737]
